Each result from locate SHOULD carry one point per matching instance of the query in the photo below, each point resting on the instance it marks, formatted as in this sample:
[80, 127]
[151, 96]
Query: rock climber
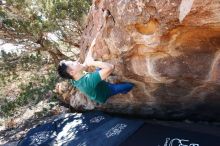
[92, 84]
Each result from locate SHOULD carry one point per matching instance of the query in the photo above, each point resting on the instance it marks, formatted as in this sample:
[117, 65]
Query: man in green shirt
[92, 84]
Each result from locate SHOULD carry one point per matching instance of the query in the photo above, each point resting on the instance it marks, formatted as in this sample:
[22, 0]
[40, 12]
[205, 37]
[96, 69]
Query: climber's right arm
[106, 68]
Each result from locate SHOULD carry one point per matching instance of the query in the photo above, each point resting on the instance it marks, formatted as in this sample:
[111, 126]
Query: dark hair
[62, 70]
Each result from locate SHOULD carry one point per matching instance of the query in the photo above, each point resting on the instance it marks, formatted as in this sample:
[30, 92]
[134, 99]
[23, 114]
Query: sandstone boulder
[169, 48]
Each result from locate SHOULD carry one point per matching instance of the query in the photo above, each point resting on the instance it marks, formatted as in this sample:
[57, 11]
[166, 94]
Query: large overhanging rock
[169, 48]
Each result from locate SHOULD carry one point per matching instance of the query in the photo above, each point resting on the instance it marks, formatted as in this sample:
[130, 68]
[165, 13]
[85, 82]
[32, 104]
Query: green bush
[40, 87]
[11, 64]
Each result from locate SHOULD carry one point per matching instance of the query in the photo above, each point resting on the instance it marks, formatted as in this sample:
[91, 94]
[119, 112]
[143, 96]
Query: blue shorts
[122, 88]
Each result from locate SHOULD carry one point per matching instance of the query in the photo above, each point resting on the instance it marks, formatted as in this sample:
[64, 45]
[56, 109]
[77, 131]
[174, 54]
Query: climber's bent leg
[120, 88]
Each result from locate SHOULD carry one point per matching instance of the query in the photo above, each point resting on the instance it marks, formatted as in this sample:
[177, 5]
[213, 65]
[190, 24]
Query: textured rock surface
[169, 48]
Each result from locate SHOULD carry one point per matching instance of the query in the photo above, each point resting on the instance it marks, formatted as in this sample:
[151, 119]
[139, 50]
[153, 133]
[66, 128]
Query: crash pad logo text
[178, 142]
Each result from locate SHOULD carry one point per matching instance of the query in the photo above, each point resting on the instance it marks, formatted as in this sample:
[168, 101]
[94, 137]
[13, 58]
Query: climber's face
[74, 67]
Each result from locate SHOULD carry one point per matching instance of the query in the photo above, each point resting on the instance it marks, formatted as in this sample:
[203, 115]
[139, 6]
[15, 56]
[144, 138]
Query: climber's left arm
[91, 48]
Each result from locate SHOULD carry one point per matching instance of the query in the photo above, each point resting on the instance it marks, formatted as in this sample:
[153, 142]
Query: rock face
[169, 48]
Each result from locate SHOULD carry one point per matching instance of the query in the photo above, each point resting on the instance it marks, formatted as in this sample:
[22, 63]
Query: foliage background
[45, 31]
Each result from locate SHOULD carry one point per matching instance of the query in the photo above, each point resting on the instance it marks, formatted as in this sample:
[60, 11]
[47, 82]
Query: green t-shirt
[93, 87]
